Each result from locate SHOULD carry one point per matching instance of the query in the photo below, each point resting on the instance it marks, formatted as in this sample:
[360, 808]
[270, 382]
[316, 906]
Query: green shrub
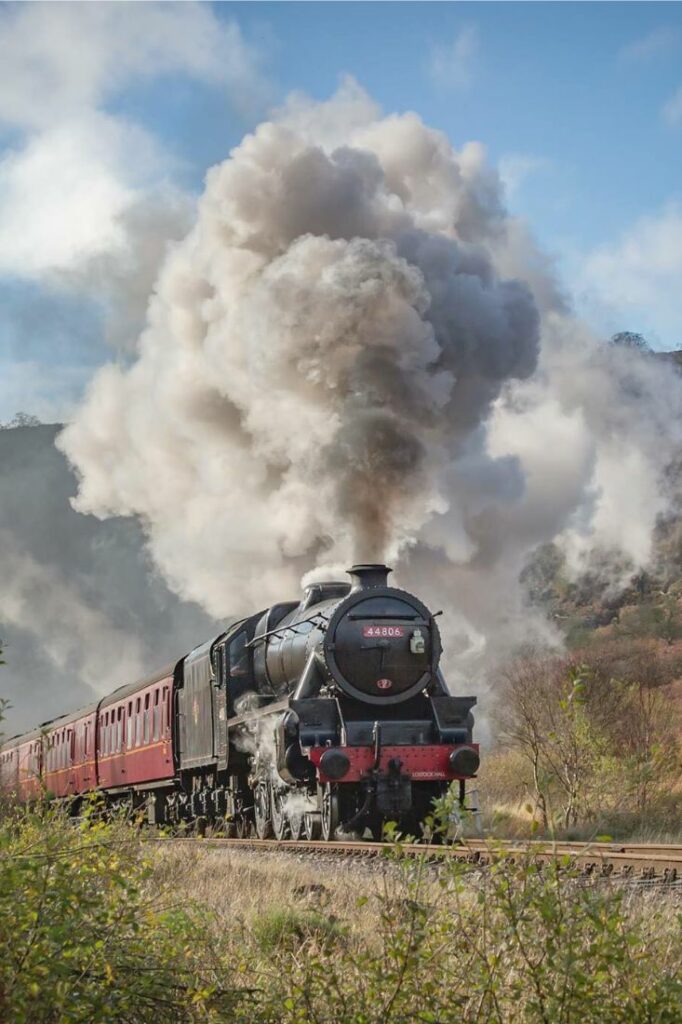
[81, 941]
[283, 928]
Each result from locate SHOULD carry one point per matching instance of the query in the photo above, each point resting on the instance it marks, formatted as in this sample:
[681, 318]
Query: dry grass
[240, 887]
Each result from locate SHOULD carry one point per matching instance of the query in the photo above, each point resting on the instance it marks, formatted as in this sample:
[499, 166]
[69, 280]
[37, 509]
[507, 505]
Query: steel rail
[651, 861]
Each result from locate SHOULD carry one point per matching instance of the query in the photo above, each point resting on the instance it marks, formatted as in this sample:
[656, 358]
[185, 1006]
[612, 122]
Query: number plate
[383, 632]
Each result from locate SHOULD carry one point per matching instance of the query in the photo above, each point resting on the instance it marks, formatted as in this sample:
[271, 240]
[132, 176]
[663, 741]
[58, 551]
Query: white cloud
[637, 278]
[452, 66]
[75, 184]
[62, 194]
[654, 44]
[672, 109]
[59, 60]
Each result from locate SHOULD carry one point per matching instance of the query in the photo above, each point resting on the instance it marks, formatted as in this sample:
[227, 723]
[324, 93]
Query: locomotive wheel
[296, 824]
[280, 823]
[261, 802]
[330, 813]
[312, 828]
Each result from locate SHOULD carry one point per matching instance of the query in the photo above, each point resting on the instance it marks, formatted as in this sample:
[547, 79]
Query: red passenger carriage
[134, 735]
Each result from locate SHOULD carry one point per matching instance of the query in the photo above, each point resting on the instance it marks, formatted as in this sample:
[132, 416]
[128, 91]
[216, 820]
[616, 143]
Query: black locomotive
[336, 716]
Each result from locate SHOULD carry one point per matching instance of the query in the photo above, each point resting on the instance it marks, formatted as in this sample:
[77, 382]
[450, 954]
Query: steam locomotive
[312, 718]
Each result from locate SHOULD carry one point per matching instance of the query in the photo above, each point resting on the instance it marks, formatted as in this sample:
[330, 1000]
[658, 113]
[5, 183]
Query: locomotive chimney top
[366, 577]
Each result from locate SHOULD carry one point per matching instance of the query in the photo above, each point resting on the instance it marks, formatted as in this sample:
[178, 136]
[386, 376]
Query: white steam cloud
[355, 354]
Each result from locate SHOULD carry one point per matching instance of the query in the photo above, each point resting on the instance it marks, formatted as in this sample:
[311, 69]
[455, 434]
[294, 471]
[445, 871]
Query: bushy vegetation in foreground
[89, 932]
[82, 938]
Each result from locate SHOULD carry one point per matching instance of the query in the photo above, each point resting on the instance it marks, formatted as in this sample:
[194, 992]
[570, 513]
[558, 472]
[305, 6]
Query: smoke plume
[357, 354]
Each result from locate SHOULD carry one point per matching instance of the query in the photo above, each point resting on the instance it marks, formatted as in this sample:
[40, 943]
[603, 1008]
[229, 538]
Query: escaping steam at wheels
[310, 718]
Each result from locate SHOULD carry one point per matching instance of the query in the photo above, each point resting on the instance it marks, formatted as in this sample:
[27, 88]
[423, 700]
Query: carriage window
[138, 723]
[119, 730]
[157, 715]
[129, 726]
[239, 656]
[146, 718]
[72, 746]
[164, 709]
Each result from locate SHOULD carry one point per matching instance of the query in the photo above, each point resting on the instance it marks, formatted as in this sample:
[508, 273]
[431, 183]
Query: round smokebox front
[382, 646]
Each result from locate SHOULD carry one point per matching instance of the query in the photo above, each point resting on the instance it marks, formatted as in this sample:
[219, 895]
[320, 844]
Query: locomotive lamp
[417, 645]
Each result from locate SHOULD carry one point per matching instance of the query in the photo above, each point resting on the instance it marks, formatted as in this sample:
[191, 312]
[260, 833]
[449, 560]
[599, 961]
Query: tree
[598, 730]
[544, 714]
[21, 419]
[632, 709]
[632, 340]
[659, 618]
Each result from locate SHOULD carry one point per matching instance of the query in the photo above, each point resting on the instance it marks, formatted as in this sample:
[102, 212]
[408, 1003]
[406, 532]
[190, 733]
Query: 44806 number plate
[384, 632]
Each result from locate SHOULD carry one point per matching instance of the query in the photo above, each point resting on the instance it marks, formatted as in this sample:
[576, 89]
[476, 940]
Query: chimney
[367, 577]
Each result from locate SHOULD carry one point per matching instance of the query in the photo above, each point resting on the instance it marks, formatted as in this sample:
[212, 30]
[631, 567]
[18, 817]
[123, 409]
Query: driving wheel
[261, 800]
[329, 818]
[280, 824]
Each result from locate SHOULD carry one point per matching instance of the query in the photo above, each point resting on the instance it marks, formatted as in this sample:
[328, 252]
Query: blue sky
[579, 105]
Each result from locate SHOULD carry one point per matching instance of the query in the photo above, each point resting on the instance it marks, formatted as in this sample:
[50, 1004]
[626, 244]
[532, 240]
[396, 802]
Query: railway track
[654, 862]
